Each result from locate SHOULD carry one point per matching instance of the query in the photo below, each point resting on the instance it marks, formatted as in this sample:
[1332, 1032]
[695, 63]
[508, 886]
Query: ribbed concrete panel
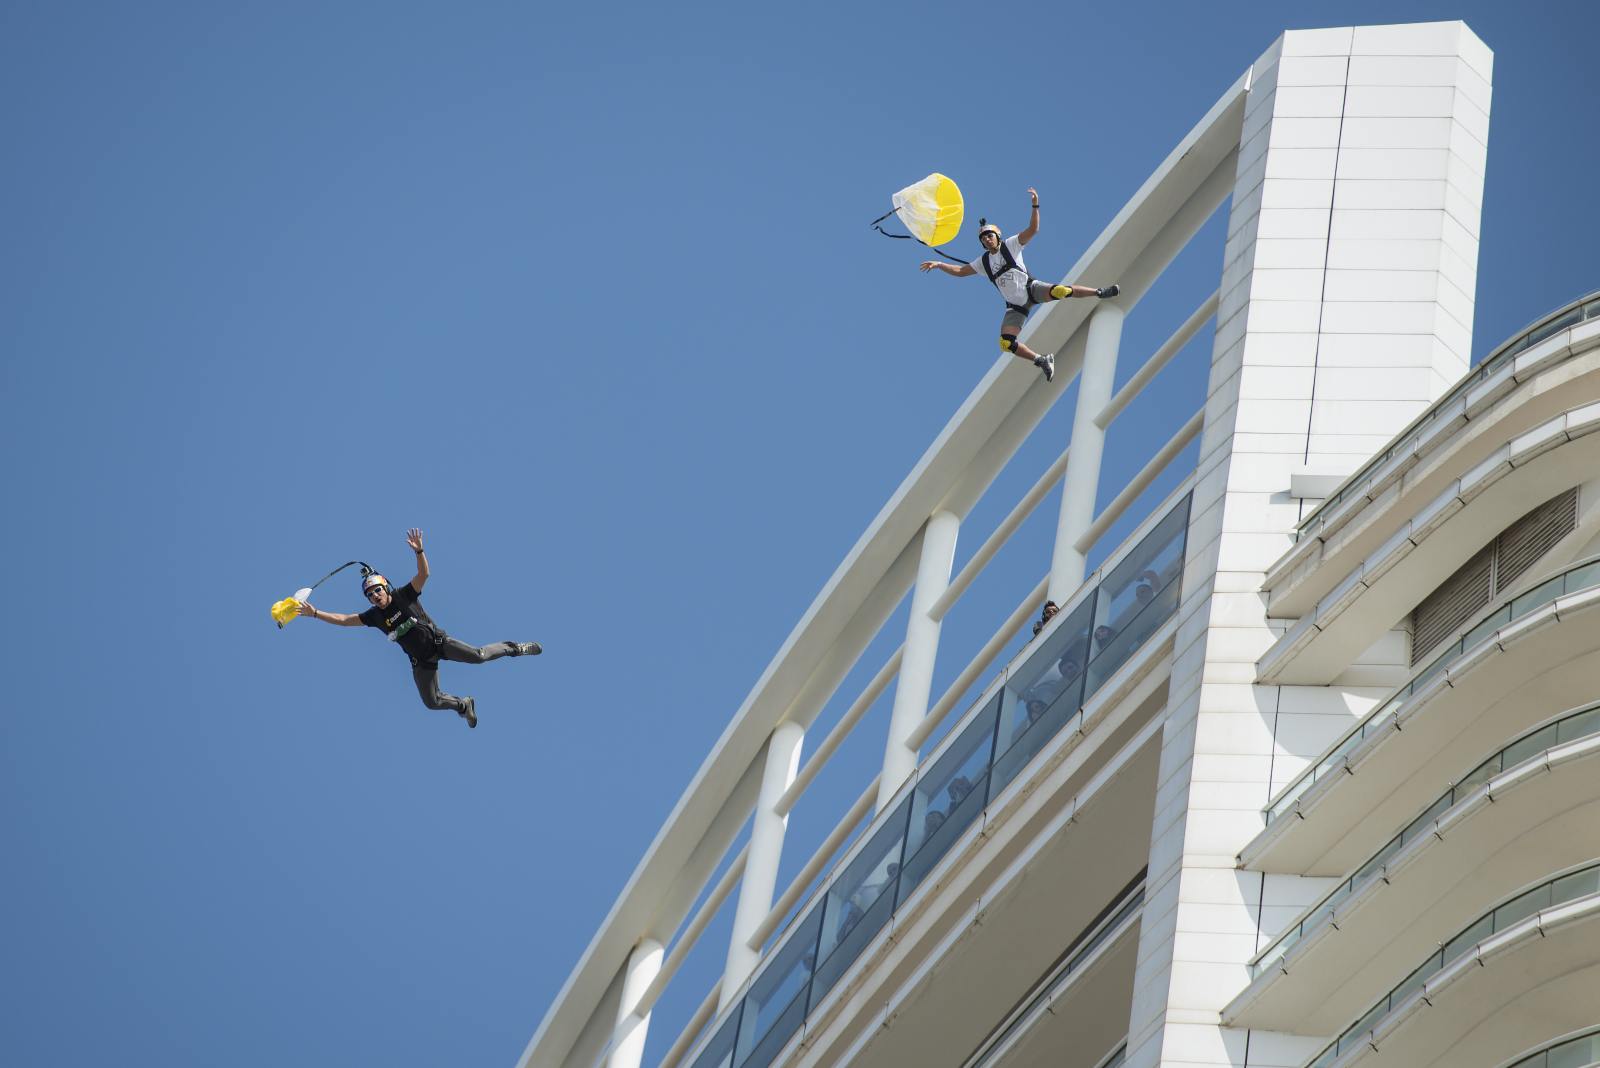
[1341, 242]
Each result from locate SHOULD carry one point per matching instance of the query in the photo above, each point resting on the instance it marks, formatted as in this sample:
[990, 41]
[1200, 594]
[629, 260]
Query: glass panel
[1591, 309]
[776, 1003]
[1579, 1053]
[1414, 982]
[1478, 776]
[860, 901]
[1379, 859]
[1042, 695]
[1433, 669]
[1533, 744]
[1580, 726]
[1463, 943]
[1358, 1030]
[1576, 885]
[1538, 334]
[719, 1051]
[1540, 595]
[1581, 578]
[1472, 637]
[1139, 595]
[947, 798]
[1424, 823]
[1521, 907]
[1327, 1058]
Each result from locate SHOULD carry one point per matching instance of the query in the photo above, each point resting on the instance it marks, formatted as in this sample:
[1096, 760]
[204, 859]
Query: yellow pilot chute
[930, 209]
[285, 610]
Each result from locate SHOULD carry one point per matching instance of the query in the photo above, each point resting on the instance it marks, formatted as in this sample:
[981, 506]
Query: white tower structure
[1304, 772]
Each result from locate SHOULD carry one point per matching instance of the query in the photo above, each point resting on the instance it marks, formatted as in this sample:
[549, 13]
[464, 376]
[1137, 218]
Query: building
[1299, 774]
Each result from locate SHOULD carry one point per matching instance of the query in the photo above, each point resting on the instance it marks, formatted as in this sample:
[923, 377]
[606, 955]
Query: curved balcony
[1532, 377]
[1530, 808]
[1526, 471]
[1578, 1050]
[1544, 650]
[1520, 971]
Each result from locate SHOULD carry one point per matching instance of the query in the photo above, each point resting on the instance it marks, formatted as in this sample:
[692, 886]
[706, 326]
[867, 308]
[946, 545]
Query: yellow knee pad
[1008, 342]
[1060, 292]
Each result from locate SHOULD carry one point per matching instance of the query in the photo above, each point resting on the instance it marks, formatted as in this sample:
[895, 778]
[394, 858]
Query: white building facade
[1300, 773]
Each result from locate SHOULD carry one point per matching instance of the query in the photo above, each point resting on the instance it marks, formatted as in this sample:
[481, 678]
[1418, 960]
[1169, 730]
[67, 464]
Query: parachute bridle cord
[366, 569]
[912, 237]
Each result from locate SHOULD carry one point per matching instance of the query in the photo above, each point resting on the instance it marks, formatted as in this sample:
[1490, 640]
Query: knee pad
[1008, 342]
[1060, 292]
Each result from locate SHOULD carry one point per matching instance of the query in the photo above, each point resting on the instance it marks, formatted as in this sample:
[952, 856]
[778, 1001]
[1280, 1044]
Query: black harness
[1010, 265]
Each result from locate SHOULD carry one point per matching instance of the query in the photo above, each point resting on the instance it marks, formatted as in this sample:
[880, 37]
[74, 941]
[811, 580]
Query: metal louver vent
[1491, 571]
[1456, 600]
[1530, 537]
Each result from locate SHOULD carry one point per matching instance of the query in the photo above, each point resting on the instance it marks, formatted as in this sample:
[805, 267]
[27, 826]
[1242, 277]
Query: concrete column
[1345, 309]
[912, 688]
[761, 862]
[627, 1040]
[1088, 442]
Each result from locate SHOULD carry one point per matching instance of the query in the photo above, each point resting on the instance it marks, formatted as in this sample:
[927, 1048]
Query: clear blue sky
[586, 292]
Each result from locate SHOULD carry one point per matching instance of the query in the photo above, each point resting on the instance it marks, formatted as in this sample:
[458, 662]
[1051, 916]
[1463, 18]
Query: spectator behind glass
[1050, 610]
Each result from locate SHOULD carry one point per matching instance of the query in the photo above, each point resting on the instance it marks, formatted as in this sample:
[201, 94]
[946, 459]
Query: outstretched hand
[928, 265]
[303, 608]
[414, 539]
[1033, 195]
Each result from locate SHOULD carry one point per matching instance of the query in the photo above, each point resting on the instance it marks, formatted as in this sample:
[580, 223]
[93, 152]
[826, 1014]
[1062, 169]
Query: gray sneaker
[1106, 292]
[470, 713]
[1047, 364]
[527, 648]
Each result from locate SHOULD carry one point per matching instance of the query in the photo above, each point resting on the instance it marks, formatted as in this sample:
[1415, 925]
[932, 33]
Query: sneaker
[1047, 364]
[1108, 291]
[526, 648]
[470, 713]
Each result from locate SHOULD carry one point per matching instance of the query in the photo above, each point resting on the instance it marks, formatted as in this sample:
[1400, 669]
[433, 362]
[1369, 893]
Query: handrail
[691, 933]
[1141, 482]
[1467, 785]
[814, 866]
[1588, 307]
[1551, 890]
[1163, 356]
[841, 730]
[1586, 570]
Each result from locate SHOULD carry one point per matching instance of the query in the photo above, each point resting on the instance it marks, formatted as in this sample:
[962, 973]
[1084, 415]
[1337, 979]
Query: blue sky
[588, 295]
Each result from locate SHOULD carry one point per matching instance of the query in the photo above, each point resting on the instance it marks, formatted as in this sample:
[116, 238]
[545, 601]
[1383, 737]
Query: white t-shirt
[1013, 285]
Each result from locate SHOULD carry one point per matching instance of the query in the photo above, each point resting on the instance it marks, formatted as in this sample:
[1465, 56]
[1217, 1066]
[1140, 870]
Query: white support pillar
[915, 683]
[761, 861]
[627, 1040]
[1083, 457]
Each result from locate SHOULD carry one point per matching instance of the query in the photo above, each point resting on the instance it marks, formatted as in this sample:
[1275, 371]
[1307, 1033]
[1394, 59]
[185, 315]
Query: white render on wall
[1345, 310]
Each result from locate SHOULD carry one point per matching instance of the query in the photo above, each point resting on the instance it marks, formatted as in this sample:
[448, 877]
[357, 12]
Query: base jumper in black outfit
[400, 615]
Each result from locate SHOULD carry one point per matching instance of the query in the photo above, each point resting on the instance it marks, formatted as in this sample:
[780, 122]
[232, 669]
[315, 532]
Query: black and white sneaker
[526, 648]
[470, 713]
[1047, 364]
[1105, 292]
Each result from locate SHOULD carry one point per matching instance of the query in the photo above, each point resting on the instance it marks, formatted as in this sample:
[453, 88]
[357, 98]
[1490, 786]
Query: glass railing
[1584, 723]
[1044, 691]
[1581, 1050]
[1561, 319]
[1582, 576]
[1108, 925]
[1570, 886]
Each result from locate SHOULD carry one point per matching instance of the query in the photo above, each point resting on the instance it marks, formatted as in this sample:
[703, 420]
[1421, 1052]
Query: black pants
[426, 672]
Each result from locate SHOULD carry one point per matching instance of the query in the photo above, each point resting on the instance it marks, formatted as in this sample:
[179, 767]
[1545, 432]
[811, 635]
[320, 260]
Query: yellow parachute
[285, 610]
[931, 209]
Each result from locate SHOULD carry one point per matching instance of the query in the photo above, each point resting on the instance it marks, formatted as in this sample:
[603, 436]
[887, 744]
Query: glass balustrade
[1581, 577]
[1045, 690]
[1584, 723]
[1572, 1051]
[1569, 886]
[1354, 486]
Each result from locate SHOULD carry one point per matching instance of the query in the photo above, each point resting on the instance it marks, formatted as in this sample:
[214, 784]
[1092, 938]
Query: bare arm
[1033, 220]
[414, 539]
[948, 268]
[338, 619]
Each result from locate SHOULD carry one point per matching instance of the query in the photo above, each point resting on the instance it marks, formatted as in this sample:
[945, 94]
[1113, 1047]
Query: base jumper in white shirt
[1002, 263]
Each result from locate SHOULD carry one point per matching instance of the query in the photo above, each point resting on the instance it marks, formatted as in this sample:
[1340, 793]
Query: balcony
[1532, 654]
[1530, 808]
[1517, 974]
[1535, 376]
